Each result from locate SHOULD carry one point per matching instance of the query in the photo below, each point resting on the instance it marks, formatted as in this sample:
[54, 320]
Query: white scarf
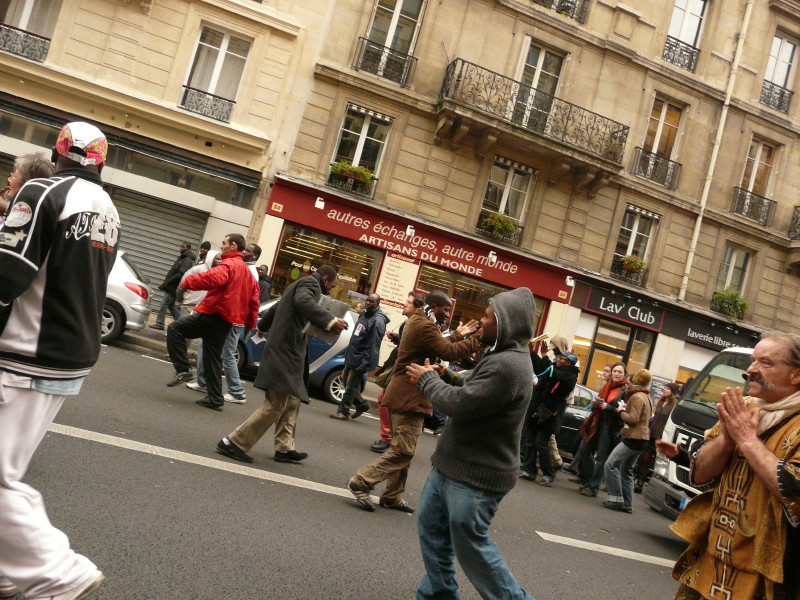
[773, 413]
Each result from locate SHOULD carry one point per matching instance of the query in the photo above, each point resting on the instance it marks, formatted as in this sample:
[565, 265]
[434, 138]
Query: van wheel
[333, 387]
[111, 324]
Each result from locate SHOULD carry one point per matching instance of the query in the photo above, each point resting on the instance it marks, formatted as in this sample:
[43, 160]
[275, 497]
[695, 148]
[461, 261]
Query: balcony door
[655, 160]
[392, 36]
[538, 84]
[686, 21]
[758, 168]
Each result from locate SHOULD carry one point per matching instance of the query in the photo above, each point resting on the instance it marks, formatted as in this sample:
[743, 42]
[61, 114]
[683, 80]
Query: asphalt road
[129, 472]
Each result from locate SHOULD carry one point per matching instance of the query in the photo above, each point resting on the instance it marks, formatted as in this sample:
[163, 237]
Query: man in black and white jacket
[57, 247]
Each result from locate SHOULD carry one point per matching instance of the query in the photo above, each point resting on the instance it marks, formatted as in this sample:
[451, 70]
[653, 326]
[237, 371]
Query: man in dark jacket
[264, 283]
[283, 372]
[557, 379]
[361, 357]
[476, 460]
[183, 263]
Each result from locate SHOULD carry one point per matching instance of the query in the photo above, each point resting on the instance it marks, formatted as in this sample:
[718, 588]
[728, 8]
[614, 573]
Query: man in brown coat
[422, 339]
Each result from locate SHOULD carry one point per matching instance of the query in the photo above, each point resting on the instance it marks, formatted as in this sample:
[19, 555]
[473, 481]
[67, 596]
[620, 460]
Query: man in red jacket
[232, 298]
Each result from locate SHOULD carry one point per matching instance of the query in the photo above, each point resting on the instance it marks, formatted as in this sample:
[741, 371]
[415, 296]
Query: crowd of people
[501, 411]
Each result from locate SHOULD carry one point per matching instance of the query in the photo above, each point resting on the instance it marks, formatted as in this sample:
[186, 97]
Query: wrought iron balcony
[775, 96]
[656, 168]
[618, 271]
[23, 43]
[751, 205]
[384, 62]
[794, 228]
[521, 105]
[487, 230]
[209, 105]
[572, 9]
[680, 54]
[354, 186]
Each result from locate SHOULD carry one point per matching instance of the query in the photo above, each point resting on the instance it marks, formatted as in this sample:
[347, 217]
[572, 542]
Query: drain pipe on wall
[715, 149]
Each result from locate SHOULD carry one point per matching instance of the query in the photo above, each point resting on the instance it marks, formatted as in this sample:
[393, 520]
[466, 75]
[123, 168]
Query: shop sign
[392, 233]
[633, 311]
[716, 335]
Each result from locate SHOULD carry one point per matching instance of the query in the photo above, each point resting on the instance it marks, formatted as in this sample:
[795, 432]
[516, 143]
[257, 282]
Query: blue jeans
[453, 519]
[228, 362]
[619, 474]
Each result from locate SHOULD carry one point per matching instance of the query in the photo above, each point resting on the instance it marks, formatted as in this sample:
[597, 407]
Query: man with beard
[475, 463]
[745, 531]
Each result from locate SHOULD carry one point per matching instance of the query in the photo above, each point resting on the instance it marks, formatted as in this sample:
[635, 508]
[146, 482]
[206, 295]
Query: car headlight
[661, 466]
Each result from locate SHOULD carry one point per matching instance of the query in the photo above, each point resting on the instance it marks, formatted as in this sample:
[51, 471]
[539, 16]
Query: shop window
[640, 350]
[776, 91]
[685, 374]
[539, 78]
[361, 143]
[216, 72]
[302, 251]
[733, 269]
[26, 27]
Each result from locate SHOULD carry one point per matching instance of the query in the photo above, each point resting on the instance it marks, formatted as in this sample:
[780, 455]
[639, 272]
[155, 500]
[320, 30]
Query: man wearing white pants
[57, 247]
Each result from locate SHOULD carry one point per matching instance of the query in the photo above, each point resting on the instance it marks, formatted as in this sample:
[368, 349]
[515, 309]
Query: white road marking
[203, 461]
[655, 560]
[155, 359]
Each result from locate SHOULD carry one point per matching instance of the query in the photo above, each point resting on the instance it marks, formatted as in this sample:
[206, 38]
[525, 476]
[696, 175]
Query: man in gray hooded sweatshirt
[477, 459]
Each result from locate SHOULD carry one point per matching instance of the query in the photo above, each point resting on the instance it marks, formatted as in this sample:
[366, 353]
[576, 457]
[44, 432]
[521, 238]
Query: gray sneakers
[235, 399]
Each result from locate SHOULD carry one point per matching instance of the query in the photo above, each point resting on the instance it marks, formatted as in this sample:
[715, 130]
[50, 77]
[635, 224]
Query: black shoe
[180, 377]
[339, 416]
[231, 450]
[379, 446]
[360, 410]
[157, 326]
[362, 496]
[292, 456]
[402, 507]
[438, 430]
[620, 506]
[207, 403]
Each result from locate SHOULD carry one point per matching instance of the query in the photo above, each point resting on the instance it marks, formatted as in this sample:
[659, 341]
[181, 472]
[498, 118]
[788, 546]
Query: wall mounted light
[627, 296]
[569, 281]
[655, 304]
[410, 231]
[492, 257]
[319, 203]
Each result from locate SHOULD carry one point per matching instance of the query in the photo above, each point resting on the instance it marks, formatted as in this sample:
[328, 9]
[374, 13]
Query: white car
[127, 303]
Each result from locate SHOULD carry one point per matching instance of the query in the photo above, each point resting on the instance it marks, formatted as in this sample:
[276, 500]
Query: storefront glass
[613, 342]
[640, 350]
[303, 251]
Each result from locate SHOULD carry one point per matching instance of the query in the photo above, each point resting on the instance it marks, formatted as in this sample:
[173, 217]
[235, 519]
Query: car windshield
[725, 370]
[132, 266]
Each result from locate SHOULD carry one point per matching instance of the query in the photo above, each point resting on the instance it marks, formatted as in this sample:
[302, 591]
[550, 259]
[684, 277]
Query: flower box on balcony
[350, 178]
[497, 226]
[632, 263]
[729, 302]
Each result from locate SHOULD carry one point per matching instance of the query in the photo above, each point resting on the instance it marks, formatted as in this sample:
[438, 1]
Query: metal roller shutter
[152, 231]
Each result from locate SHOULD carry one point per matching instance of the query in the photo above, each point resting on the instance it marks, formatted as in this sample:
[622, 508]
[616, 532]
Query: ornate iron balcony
[656, 168]
[354, 186]
[751, 205]
[532, 109]
[23, 43]
[486, 230]
[623, 274]
[794, 228]
[572, 9]
[384, 62]
[775, 96]
[680, 54]
[209, 105]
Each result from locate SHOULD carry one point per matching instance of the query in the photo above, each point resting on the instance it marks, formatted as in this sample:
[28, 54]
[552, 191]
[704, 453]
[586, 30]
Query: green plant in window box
[498, 226]
[633, 263]
[729, 302]
[346, 170]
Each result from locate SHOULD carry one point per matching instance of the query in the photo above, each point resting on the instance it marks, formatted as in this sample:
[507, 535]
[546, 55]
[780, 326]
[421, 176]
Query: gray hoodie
[480, 443]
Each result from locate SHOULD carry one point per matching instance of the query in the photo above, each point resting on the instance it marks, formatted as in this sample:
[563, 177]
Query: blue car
[326, 361]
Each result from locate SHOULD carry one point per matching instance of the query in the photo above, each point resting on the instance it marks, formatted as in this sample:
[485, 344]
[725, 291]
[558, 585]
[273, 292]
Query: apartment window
[775, 92]
[758, 167]
[216, 72]
[683, 34]
[540, 73]
[26, 27]
[733, 269]
[361, 143]
[653, 159]
[508, 188]
[635, 232]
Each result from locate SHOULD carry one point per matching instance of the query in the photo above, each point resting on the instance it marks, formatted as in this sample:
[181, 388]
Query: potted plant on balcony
[632, 263]
[729, 302]
[497, 226]
[347, 176]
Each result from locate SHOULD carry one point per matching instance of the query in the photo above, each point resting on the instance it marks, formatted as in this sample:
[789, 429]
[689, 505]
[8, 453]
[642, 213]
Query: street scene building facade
[631, 163]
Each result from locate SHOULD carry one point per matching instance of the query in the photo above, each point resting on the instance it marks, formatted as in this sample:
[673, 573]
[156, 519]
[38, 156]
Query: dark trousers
[536, 443]
[352, 379]
[167, 305]
[213, 330]
[434, 421]
[603, 442]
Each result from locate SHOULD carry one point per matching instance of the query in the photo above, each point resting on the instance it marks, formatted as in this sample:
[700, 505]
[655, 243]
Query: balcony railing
[775, 96]
[656, 168]
[209, 105]
[481, 228]
[680, 54]
[794, 228]
[384, 62]
[751, 205]
[23, 43]
[623, 274]
[532, 109]
[572, 9]
[354, 186]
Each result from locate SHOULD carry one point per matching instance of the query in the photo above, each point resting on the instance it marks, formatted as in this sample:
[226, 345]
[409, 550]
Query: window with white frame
[758, 167]
[386, 52]
[686, 21]
[363, 137]
[662, 129]
[635, 233]
[510, 184]
[218, 63]
[733, 269]
[539, 75]
[34, 16]
[776, 92]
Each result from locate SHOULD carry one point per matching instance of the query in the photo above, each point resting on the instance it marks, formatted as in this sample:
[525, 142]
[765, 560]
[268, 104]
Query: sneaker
[379, 446]
[231, 450]
[79, 593]
[291, 456]
[157, 326]
[206, 402]
[360, 410]
[620, 506]
[438, 430]
[179, 378]
[339, 416]
[546, 481]
[523, 474]
[235, 399]
[362, 496]
[197, 387]
[8, 591]
[402, 507]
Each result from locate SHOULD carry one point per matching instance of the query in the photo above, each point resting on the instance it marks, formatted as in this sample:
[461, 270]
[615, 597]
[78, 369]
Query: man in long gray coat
[283, 372]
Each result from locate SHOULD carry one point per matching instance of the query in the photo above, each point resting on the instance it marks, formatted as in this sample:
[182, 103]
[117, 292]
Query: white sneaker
[197, 387]
[235, 399]
[79, 593]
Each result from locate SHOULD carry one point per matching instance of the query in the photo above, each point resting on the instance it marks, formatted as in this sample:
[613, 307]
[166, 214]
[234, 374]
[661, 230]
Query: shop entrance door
[597, 362]
[610, 346]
